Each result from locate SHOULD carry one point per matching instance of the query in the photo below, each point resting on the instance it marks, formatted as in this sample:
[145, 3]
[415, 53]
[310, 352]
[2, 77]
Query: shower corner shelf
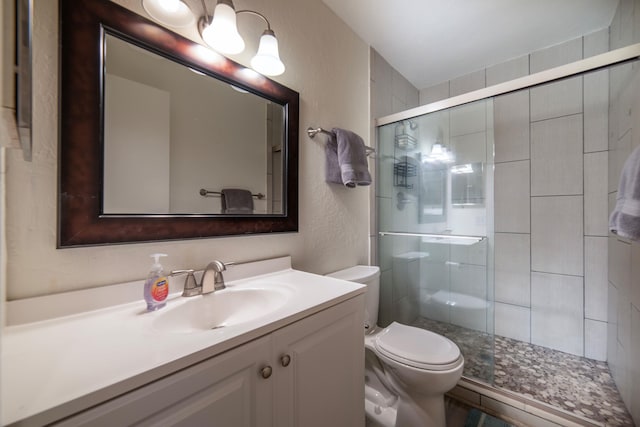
[405, 142]
[402, 171]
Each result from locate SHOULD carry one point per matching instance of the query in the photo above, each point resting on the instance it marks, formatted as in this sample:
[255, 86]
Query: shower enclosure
[435, 212]
[435, 218]
[492, 215]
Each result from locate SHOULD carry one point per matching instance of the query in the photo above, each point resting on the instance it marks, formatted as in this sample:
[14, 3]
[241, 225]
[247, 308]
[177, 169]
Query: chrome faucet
[212, 279]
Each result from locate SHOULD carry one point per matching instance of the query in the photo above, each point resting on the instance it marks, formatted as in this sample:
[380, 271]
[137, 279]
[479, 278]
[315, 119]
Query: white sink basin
[220, 309]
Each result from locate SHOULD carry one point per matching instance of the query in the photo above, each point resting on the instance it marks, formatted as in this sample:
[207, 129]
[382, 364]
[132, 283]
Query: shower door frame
[593, 63]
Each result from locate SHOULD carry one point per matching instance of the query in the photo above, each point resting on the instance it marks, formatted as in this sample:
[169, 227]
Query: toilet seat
[417, 347]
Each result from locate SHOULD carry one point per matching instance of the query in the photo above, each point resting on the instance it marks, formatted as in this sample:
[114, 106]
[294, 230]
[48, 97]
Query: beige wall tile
[511, 126]
[512, 197]
[557, 235]
[557, 312]
[513, 321]
[596, 203]
[513, 268]
[557, 157]
[595, 280]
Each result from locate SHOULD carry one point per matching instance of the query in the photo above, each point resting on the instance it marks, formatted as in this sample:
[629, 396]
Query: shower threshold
[540, 379]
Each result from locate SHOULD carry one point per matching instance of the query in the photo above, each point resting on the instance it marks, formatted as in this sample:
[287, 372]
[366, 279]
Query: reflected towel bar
[437, 236]
[312, 132]
[206, 193]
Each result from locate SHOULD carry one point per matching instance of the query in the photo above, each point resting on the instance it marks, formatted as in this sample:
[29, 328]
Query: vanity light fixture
[220, 31]
[462, 169]
[174, 13]
[439, 153]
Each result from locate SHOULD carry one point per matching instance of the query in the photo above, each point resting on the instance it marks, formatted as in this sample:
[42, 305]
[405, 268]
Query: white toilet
[407, 369]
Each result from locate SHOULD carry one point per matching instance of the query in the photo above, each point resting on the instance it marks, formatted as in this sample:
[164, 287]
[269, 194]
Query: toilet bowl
[407, 369]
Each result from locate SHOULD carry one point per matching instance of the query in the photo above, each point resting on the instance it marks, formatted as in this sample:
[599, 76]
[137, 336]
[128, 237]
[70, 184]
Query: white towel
[625, 218]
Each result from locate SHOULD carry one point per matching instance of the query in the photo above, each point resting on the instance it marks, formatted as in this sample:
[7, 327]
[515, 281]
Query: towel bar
[312, 132]
[205, 193]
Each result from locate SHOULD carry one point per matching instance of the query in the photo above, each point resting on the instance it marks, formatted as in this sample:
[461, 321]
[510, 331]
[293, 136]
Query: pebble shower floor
[575, 384]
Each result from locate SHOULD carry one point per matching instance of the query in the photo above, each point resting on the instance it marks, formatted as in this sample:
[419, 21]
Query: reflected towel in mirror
[236, 201]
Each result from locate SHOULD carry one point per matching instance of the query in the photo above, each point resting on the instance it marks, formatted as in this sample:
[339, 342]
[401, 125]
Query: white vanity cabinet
[308, 373]
[324, 383]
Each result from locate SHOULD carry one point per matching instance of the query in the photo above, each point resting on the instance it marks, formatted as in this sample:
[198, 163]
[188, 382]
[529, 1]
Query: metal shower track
[593, 63]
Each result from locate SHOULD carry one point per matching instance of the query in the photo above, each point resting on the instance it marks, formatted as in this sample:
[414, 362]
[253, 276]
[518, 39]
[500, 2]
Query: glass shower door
[435, 201]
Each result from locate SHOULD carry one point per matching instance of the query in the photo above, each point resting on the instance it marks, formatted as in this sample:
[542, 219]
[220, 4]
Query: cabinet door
[225, 391]
[323, 385]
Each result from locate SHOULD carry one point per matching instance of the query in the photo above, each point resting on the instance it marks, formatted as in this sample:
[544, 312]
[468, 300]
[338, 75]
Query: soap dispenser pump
[156, 288]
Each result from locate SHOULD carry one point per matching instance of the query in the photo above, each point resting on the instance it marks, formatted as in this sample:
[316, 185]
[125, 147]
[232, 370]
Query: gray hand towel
[625, 218]
[236, 201]
[352, 158]
[332, 167]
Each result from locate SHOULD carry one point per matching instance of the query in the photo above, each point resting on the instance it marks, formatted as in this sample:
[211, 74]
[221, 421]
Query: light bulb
[174, 13]
[222, 34]
[267, 60]
[171, 6]
[436, 151]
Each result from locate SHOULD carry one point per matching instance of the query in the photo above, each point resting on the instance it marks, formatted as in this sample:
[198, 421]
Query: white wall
[136, 148]
[326, 63]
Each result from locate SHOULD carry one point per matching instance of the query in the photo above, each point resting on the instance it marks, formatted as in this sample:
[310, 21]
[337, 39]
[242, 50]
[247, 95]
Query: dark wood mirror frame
[80, 218]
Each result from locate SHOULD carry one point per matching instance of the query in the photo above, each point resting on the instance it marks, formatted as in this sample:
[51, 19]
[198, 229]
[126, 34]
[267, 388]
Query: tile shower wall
[391, 93]
[550, 199]
[623, 314]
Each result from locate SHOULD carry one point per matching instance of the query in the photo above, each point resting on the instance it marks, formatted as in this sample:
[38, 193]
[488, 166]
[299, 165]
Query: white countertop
[56, 367]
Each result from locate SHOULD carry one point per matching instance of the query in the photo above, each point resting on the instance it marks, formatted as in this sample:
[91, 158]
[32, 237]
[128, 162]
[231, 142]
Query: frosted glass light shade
[173, 13]
[267, 60]
[222, 34]
[437, 151]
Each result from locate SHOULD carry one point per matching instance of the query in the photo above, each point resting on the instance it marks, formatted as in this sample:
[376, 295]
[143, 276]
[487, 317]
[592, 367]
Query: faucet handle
[191, 287]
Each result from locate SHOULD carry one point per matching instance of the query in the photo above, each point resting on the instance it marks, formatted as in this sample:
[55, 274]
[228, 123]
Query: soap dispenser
[156, 288]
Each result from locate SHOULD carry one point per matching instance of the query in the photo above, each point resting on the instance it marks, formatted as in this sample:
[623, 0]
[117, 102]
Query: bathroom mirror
[432, 199]
[23, 69]
[467, 185]
[171, 132]
[133, 172]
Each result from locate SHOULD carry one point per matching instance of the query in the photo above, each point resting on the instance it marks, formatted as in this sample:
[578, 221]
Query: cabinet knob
[285, 360]
[266, 372]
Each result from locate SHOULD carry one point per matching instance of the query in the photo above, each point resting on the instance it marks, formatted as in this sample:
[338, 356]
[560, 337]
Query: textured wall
[326, 63]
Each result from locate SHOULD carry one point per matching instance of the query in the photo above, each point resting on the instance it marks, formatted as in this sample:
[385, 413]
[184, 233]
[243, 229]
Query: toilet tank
[368, 275]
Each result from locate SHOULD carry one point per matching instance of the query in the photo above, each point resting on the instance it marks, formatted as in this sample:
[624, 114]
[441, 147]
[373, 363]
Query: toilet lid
[417, 347]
